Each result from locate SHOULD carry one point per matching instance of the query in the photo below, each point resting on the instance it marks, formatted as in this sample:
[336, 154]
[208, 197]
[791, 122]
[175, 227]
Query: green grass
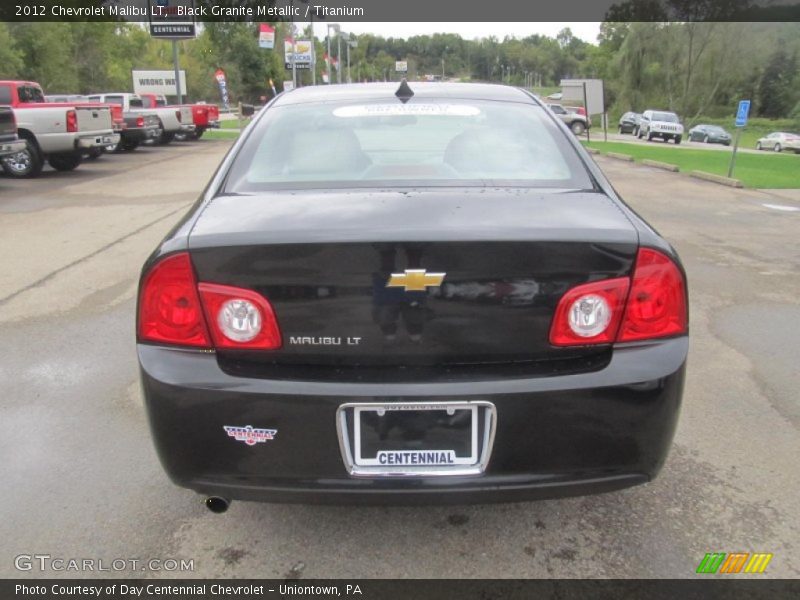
[223, 133]
[753, 170]
[231, 123]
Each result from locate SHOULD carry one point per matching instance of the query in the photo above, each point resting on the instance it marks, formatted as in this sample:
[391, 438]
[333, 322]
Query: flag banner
[266, 36]
[223, 88]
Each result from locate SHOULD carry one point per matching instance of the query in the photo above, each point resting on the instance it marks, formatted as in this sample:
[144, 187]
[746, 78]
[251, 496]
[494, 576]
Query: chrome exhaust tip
[217, 505]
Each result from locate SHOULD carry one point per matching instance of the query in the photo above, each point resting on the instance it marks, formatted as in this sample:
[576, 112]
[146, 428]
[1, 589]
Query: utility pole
[178, 91]
[294, 66]
[338, 55]
[328, 59]
[313, 49]
[335, 27]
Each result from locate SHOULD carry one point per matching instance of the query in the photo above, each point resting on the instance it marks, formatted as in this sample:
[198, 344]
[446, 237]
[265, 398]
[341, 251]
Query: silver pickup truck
[173, 120]
[141, 125]
[60, 133]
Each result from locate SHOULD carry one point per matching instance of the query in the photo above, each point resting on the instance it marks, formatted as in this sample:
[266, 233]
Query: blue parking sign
[742, 113]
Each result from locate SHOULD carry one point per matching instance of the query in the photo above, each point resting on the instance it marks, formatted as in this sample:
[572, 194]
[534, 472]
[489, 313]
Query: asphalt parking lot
[81, 479]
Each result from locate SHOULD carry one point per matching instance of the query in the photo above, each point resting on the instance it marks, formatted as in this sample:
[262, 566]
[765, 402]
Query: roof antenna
[404, 93]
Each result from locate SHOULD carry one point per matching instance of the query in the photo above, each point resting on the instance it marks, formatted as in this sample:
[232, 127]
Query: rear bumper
[7, 148]
[555, 436]
[84, 142]
[141, 134]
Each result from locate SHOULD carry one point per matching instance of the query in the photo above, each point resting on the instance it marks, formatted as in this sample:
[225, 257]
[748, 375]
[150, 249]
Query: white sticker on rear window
[386, 110]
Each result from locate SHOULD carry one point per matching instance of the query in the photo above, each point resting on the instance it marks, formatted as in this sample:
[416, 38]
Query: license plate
[398, 437]
[106, 139]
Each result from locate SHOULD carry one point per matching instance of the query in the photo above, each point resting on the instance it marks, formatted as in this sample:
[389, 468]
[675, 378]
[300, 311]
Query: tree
[776, 98]
[11, 59]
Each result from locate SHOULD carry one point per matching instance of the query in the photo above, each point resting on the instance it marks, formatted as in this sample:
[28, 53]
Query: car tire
[199, 133]
[27, 163]
[677, 140]
[65, 162]
[635, 131]
[128, 146]
[777, 148]
[577, 127]
[758, 145]
[649, 137]
[96, 153]
[165, 138]
[705, 140]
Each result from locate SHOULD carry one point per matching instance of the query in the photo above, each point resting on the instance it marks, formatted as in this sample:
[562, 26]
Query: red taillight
[178, 114]
[169, 306]
[139, 122]
[72, 121]
[590, 313]
[239, 318]
[657, 303]
[606, 311]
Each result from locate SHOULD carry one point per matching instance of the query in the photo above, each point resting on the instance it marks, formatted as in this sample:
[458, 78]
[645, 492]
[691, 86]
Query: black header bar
[444, 11]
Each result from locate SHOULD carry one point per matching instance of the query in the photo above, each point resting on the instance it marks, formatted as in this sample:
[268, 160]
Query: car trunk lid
[324, 258]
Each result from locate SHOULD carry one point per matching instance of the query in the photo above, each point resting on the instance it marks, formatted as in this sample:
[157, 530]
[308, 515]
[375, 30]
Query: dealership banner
[157, 82]
[266, 36]
[301, 55]
[223, 88]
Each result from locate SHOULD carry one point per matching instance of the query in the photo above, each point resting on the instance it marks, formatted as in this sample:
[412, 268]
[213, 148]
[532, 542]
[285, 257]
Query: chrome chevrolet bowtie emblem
[415, 280]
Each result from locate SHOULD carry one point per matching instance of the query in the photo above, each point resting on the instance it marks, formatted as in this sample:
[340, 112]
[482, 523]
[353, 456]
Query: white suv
[660, 124]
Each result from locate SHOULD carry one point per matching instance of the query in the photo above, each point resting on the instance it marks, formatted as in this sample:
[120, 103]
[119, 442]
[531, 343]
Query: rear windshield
[425, 142]
[665, 117]
[136, 103]
[30, 94]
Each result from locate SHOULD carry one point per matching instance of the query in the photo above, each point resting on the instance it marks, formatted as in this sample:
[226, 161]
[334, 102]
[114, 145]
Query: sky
[585, 31]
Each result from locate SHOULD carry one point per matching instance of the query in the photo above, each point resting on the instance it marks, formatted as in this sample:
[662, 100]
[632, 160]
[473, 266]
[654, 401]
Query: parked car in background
[140, 124]
[9, 142]
[60, 133]
[779, 141]
[576, 122]
[660, 124]
[709, 134]
[204, 116]
[175, 120]
[576, 109]
[629, 123]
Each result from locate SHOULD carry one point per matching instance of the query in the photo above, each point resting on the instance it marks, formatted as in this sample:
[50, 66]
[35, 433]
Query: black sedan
[414, 294]
[629, 123]
[709, 134]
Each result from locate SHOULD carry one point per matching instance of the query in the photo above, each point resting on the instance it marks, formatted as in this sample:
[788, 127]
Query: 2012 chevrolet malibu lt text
[410, 293]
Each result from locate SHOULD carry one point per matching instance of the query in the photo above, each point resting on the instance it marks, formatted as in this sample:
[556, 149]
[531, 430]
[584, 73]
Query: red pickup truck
[204, 116]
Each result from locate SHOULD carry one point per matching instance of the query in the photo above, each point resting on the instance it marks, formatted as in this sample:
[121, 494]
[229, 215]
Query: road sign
[401, 66]
[742, 113]
[172, 19]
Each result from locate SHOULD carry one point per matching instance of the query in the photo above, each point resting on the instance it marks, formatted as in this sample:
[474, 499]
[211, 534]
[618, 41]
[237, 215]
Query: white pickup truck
[57, 132]
[141, 125]
[174, 120]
